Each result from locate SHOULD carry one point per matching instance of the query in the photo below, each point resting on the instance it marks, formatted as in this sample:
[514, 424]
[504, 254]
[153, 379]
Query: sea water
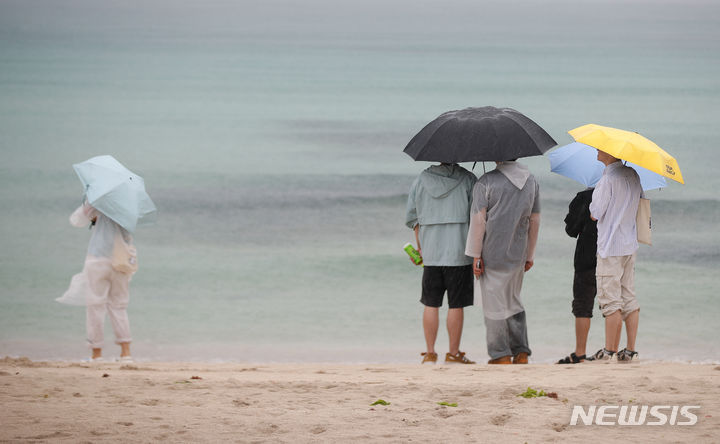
[270, 136]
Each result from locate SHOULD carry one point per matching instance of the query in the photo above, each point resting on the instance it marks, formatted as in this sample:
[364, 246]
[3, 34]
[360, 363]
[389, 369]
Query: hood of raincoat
[516, 173]
[440, 180]
[440, 195]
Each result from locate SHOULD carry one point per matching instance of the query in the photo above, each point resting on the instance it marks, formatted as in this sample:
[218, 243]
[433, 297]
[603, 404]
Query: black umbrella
[479, 134]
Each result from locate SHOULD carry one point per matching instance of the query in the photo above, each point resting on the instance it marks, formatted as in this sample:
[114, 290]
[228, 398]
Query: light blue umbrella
[115, 191]
[579, 162]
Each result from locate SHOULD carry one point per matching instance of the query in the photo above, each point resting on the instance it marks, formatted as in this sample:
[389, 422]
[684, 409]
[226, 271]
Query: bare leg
[582, 327]
[96, 353]
[430, 325]
[455, 320]
[124, 349]
[631, 327]
[613, 329]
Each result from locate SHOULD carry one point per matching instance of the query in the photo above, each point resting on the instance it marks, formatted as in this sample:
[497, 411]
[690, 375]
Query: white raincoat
[85, 287]
[506, 205]
[99, 286]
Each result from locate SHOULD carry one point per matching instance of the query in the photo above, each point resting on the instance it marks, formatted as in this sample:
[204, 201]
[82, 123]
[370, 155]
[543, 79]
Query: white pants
[109, 294]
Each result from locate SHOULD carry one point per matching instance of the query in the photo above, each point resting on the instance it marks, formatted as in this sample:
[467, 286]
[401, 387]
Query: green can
[413, 253]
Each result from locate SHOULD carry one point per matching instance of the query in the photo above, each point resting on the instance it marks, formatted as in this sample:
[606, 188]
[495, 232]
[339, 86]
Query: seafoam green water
[270, 136]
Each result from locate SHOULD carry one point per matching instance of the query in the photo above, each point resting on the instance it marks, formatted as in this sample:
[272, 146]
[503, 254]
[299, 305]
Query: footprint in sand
[558, 427]
[411, 422]
[500, 420]
[444, 413]
[240, 403]
[98, 433]
[268, 429]
[318, 430]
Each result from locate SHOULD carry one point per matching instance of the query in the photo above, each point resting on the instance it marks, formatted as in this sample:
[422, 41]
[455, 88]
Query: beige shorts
[616, 285]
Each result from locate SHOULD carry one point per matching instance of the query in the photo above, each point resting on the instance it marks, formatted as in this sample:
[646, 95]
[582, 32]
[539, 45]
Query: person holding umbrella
[614, 206]
[579, 162]
[115, 199]
[504, 215]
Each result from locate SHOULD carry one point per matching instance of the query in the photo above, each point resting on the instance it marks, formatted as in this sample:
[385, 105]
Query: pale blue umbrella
[579, 162]
[115, 191]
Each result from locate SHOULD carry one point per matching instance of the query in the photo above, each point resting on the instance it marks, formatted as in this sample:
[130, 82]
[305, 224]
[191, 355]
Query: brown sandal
[457, 359]
[429, 357]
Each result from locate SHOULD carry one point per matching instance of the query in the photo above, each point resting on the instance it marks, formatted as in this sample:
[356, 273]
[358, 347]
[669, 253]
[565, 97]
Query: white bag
[124, 256]
[644, 222]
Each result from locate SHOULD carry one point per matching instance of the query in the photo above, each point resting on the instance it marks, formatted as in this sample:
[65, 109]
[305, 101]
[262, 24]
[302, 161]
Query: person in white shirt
[614, 206]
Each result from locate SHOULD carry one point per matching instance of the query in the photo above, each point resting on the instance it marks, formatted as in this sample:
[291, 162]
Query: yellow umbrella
[629, 146]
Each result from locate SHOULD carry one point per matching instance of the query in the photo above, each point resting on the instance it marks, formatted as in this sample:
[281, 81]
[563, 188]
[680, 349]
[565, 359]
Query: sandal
[572, 359]
[459, 358]
[602, 356]
[626, 356]
[429, 357]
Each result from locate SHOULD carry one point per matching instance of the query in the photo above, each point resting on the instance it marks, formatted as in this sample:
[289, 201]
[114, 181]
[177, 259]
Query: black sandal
[572, 359]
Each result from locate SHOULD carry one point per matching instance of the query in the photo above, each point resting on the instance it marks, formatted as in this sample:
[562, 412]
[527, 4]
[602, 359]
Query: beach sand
[209, 402]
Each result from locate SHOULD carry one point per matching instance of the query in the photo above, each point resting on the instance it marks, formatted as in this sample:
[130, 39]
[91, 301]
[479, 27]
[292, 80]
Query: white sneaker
[602, 356]
[125, 359]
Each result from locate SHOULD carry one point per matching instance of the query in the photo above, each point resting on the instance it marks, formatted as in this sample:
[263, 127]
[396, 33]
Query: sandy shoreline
[162, 401]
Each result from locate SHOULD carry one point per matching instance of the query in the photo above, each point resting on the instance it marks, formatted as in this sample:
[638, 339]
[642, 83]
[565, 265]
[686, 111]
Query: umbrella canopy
[579, 162]
[115, 191]
[629, 146]
[479, 134]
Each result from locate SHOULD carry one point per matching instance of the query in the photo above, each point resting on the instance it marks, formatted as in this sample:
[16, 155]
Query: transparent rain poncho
[504, 219]
[85, 287]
